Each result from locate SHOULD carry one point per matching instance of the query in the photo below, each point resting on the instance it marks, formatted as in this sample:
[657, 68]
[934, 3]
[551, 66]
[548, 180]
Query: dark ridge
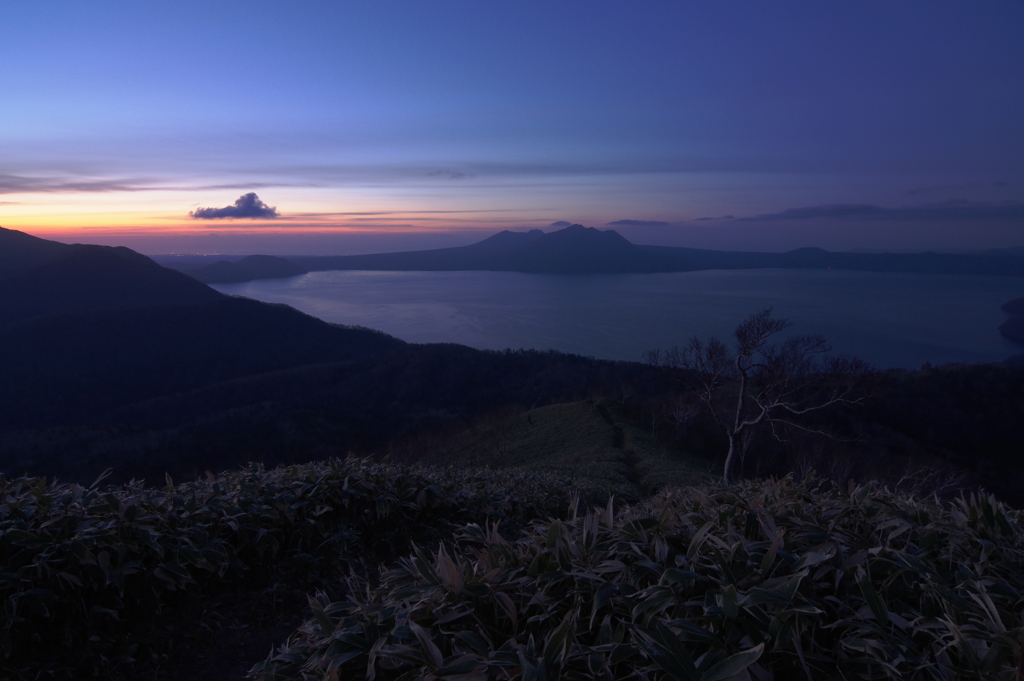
[573, 250]
[247, 269]
[77, 367]
[1013, 250]
[1015, 306]
[20, 251]
[83, 278]
[483, 255]
[506, 240]
[1013, 328]
[578, 250]
[88, 329]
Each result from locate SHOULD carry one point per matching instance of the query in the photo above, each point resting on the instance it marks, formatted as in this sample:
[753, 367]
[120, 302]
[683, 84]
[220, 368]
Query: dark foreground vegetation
[462, 574]
[773, 579]
[105, 581]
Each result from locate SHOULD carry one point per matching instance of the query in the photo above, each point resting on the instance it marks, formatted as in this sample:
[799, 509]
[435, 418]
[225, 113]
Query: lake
[890, 320]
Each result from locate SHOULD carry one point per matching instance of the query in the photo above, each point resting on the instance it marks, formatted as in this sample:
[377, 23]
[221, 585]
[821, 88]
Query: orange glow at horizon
[79, 225]
[309, 220]
[166, 213]
[53, 221]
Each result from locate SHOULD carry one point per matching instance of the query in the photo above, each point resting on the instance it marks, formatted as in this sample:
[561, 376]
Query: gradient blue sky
[392, 125]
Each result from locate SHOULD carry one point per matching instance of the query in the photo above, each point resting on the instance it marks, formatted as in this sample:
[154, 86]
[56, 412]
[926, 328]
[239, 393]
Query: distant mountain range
[586, 250]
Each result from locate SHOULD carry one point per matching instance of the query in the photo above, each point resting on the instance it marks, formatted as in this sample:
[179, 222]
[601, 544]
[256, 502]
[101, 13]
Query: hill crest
[20, 251]
[82, 278]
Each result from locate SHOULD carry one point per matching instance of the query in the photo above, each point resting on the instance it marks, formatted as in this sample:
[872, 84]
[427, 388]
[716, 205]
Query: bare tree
[760, 382]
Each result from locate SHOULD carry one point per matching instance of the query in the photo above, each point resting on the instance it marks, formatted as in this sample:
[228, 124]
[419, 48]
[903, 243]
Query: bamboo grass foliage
[82, 569]
[773, 579]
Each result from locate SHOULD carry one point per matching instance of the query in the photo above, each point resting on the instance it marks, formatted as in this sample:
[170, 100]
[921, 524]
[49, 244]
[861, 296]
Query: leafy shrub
[83, 570]
[764, 580]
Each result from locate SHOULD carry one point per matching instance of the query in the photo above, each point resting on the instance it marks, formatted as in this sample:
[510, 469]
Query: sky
[352, 127]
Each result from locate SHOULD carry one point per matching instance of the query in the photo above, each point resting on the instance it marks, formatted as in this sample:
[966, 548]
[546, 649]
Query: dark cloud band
[19, 184]
[640, 223]
[23, 184]
[948, 210]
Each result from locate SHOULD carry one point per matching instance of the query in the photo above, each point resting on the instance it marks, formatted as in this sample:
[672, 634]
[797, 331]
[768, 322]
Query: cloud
[956, 209]
[247, 206]
[724, 217]
[561, 223]
[448, 174]
[842, 210]
[401, 212]
[19, 184]
[998, 184]
[243, 185]
[23, 184]
[640, 223]
[372, 173]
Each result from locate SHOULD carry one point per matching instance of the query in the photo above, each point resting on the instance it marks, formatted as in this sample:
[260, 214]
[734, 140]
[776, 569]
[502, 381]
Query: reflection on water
[890, 320]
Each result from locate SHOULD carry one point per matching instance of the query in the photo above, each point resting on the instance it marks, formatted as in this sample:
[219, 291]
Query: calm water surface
[890, 320]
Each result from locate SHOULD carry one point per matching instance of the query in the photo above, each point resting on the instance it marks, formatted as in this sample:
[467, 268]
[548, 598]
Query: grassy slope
[588, 440]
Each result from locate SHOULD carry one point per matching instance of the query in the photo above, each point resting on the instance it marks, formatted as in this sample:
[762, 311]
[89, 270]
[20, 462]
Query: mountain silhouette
[82, 278]
[573, 250]
[586, 250]
[1013, 328]
[578, 250]
[247, 269]
[85, 329]
[20, 251]
[504, 241]
[1015, 306]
